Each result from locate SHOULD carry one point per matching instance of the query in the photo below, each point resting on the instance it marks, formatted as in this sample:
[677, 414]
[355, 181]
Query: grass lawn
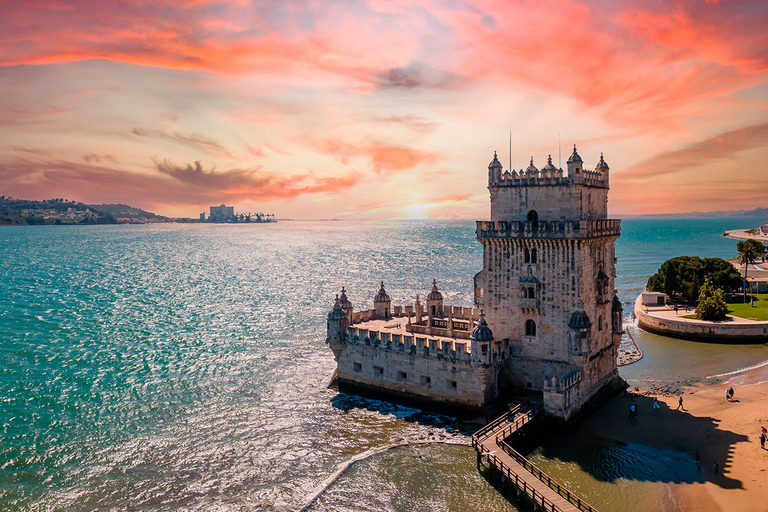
[758, 310]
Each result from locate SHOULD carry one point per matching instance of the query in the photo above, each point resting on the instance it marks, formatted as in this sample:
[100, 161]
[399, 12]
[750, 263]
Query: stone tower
[547, 284]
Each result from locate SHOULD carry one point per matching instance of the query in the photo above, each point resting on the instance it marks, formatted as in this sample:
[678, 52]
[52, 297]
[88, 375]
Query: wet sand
[722, 431]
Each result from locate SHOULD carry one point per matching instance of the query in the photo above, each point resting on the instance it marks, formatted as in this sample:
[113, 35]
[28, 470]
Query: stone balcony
[529, 303]
[556, 229]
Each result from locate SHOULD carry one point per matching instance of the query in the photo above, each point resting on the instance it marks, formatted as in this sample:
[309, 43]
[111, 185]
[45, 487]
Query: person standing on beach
[680, 404]
[762, 441]
[656, 403]
[730, 393]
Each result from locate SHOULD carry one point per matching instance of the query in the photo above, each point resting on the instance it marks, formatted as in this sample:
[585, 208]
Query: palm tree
[749, 251]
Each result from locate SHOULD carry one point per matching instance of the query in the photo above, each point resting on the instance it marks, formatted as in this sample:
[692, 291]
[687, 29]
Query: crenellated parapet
[549, 175]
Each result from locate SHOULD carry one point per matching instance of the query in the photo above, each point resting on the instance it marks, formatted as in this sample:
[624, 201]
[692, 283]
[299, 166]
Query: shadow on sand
[658, 445]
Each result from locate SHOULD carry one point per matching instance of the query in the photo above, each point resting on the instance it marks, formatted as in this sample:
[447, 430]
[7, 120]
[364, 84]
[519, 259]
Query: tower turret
[575, 166]
[549, 170]
[434, 302]
[482, 341]
[346, 306]
[531, 172]
[381, 303]
[603, 168]
[494, 171]
[337, 329]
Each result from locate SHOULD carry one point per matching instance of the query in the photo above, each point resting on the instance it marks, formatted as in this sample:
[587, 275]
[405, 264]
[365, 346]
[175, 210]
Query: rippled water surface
[172, 367]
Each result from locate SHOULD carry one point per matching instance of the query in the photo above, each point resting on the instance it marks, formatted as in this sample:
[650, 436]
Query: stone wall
[440, 379]
[553, 202]
[718, 332]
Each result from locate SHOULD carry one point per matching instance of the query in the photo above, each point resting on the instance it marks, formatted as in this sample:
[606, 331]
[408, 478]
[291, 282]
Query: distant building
[222, 213]
[551, 325]
[202, 216]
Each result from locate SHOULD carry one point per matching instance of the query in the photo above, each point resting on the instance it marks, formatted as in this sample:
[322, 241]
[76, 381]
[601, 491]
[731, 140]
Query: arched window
[527, 255]
[531, 293]
[533, 216]
[530, 328]
[525, 292]
[600, 323]
[533, 255]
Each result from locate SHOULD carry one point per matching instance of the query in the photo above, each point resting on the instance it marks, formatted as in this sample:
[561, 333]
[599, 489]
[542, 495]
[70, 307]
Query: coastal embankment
[666, 321]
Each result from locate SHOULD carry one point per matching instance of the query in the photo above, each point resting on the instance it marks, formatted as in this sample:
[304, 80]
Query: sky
[380, 109]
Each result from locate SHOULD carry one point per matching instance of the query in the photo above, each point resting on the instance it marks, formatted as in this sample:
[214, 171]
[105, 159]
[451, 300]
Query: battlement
[542, 178]
[391, 336]
[556, 229]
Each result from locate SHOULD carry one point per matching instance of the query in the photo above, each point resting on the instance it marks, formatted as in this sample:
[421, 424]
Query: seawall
[665, 321]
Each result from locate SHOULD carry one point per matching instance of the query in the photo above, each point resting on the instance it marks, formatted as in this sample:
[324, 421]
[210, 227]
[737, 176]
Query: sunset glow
[380, 109]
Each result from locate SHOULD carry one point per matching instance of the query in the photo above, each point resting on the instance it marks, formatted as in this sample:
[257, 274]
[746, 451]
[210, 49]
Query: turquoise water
[183, 367]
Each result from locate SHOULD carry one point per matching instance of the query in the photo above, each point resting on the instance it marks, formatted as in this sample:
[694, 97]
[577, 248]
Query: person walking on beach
[656, 403]
[680, 404]
[762, 441]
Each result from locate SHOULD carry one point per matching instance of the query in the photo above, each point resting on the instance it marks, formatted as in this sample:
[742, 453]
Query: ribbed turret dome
[495, 162]
[336, 313]
[434, 294]
[601, 165]
[579, 320]
[575, 156]
[531, 167]
[343, 301]
[382, 295]
[482, 332]
[549, 166]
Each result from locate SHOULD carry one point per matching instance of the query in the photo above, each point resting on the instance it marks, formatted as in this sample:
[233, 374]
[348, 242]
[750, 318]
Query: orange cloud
[725, 145]
[385, 158]
[706, 176]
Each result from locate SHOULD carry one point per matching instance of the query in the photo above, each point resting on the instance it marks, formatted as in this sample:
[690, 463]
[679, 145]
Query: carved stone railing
[548, 229]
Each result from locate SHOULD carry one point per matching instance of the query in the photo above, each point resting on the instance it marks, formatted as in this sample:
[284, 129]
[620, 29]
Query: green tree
[711, 303]
[749, 251]
[684, 274]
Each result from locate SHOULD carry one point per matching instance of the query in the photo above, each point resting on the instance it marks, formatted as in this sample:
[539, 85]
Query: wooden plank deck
[539, 487]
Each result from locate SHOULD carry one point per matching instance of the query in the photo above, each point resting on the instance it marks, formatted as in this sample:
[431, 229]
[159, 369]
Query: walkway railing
[551, 483]
[534, 494]
[501, 429]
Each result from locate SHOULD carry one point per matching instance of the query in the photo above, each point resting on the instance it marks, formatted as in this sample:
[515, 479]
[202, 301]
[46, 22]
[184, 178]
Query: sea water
[183, 366]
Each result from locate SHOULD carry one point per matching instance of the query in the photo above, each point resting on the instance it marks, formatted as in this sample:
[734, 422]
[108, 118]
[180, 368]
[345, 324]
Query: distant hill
[19, 212]
[123, 211]
[720, 214]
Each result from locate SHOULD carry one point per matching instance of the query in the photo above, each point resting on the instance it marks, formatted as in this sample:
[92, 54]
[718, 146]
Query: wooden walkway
[545, 493]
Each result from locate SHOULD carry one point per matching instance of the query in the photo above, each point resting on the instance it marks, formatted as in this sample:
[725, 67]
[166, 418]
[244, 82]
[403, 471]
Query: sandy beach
[720, 430]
